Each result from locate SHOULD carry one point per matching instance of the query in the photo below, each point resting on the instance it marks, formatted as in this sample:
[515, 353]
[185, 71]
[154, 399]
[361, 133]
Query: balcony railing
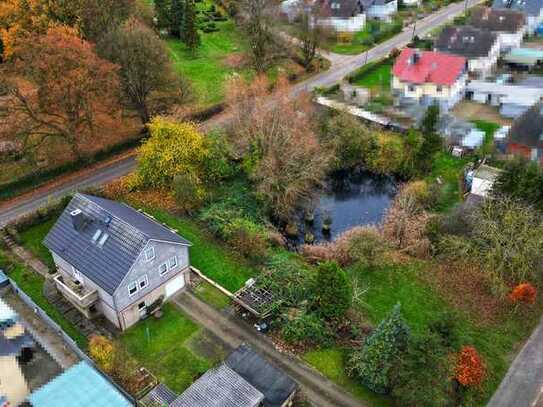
[77, 293]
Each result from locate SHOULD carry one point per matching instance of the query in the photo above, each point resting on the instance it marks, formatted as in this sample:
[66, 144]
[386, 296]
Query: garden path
[320, 391]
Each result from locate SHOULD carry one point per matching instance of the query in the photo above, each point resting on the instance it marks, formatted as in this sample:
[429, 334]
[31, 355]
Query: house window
[163, 268]
[172, 262]
[439, 88]
[143, 282]
[96, 235]
[103, 239]
[149, 253]
[411, 88]
[132, 288]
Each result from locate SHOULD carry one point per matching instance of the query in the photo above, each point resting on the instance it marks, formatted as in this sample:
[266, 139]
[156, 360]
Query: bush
[188, 192]
[525, 293]
[307, 328]
[333, 291]
[367, 246]
[376, 362]
[470, 369]
[445, 329]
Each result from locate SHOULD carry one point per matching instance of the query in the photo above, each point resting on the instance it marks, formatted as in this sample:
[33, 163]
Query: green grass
[206, 69]
[449, 169]
[207, 254]
[32, 284]
[159, 345]
[377, 77]
[421, 304]
[489, 128]
[32, 239]
[364, 40]
[207, 293]
[331, 363]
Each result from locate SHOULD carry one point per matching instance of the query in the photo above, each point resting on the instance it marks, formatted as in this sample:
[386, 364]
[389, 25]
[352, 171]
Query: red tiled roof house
[428, 77]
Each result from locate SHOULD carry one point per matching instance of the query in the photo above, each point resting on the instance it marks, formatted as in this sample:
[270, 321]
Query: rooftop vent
[78, 219]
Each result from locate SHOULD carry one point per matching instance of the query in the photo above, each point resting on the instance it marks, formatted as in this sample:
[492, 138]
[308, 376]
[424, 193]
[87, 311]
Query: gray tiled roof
[339, 8]
[220, 387]
[276, 386]
[465, 41]
[128, 230]
[530, 7]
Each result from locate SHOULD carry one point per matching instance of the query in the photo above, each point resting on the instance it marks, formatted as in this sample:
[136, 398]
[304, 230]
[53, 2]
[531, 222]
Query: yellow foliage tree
[389, 154]
[172, 149]
[102, 351]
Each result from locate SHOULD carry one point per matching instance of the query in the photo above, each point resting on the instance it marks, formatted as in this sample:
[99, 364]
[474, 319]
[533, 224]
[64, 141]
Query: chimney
[415, 57]
[78, 219]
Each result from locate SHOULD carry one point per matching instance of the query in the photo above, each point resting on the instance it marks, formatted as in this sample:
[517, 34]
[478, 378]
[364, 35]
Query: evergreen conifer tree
[191, 37]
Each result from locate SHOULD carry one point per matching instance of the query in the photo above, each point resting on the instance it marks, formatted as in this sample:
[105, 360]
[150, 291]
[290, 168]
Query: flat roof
[487, 172]
[79, 386]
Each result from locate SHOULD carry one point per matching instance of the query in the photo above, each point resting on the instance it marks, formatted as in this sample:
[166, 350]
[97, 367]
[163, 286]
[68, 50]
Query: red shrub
[524, 292]
[470, 368]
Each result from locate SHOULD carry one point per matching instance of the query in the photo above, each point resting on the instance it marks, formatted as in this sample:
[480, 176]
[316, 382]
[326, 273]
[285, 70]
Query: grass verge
[32, 239]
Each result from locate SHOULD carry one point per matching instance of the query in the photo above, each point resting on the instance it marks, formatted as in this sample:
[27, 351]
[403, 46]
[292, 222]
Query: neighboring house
[525, 137]
[481, 48]
[114, 260]
[411, 3]
[79, 386]
[245, 379]
[509, 25]
[340, 15]
[15, 344]
[532, 8]
[382, 10]
[428, 77]
[512, 100]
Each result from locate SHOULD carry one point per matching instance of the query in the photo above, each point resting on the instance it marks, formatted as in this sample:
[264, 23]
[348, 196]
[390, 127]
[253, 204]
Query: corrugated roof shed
[79, 386]
[524, 56]
[160, 396]
[220, 387]
[128, 232]
[276, 386]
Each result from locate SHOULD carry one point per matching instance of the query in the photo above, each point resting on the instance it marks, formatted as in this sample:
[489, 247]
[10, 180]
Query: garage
[174, 285]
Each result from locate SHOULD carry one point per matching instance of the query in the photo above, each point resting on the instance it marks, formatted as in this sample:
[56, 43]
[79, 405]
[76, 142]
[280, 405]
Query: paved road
[522, 386]
[320, 391]
[339, 69]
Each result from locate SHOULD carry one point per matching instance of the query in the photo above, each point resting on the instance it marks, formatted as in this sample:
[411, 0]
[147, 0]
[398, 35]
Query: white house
[380, 9]
[428, 77]
[509, 25]
[480, 47]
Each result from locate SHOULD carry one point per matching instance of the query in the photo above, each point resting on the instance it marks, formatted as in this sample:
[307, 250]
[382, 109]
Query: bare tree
[311, 37]
[258, 18]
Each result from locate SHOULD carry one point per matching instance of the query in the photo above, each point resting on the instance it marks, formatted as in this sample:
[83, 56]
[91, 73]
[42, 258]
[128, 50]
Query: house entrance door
[142, 308]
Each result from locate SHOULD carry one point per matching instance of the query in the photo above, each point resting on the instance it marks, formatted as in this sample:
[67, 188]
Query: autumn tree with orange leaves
[470, 369]
[59, 89]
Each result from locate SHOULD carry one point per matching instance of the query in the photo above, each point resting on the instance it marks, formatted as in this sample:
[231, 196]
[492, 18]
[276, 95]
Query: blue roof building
[79, 386]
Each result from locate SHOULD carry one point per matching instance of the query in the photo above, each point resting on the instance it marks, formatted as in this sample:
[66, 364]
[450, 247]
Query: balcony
[76, 293]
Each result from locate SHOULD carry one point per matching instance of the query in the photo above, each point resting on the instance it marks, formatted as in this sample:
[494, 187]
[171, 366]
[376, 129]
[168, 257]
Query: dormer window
[149, 253]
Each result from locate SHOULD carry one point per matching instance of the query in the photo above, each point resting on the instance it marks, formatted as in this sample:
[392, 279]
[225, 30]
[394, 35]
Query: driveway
[320, 391]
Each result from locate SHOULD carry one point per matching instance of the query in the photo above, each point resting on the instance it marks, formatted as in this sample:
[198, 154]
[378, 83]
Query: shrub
[333, 291]
[445, 329]
[422, 376]
[524, 292]
[366, 246]
[374, 364]
[188, 192]
[470, 369]
[102, 351]
[307, 328]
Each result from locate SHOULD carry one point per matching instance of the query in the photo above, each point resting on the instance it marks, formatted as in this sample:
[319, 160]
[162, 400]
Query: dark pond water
[349, 200]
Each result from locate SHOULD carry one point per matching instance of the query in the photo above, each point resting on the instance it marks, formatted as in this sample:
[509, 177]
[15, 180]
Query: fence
[65, 337]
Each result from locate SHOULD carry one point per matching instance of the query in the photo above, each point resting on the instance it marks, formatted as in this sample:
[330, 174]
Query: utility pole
[415, 29]
[466, 7]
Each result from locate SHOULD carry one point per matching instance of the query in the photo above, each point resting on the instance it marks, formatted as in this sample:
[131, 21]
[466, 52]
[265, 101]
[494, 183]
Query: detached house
[116, 261]
[428, 77]
[525, 137]
[532, 8]
[340, 15]
[481, 48]
[509, 25]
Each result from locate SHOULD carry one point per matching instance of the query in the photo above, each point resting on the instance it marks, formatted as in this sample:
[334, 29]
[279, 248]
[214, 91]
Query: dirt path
[320, 391]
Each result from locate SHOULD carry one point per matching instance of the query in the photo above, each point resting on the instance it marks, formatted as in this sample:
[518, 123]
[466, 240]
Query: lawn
[160, 346]
[449, 169]
[32, 284]
[375, 77]
[374, 33]
[207, 254]
[207, 293]
[489, 128]
[32, 239]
